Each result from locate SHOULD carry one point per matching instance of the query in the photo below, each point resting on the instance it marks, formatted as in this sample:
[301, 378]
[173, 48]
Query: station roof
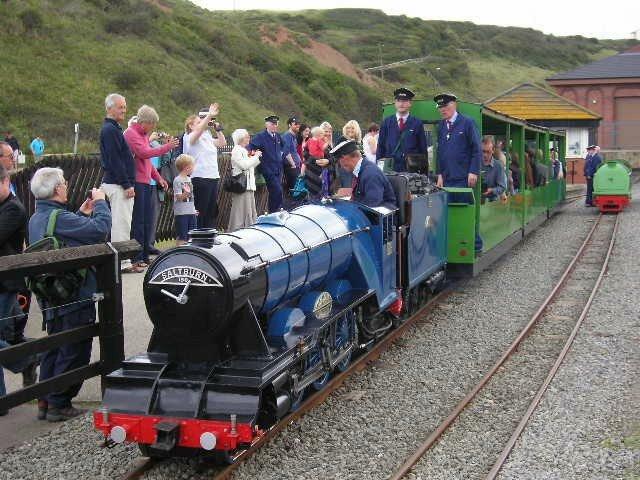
[533, 102]
[622, 65]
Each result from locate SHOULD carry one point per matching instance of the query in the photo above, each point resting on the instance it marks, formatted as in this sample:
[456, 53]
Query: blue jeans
[68, 357]
[9, 307]
[184, 223]
[142, 222]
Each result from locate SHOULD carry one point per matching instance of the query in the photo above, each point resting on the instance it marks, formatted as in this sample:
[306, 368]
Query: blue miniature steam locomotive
[247, 322]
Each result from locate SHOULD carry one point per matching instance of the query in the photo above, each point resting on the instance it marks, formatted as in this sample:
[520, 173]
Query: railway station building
[611, 88]
[544, 107]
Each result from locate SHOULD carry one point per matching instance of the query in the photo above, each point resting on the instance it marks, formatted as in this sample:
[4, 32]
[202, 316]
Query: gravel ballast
[372, 423]
[587, 425]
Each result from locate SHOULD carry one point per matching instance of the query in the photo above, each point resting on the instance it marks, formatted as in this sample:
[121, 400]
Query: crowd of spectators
[132, 162]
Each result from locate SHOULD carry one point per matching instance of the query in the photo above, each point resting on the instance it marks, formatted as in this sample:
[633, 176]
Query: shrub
[189, 96]
[127, 79]
[31, 20]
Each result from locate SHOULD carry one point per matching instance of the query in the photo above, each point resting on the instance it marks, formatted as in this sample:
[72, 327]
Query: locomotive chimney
[202, 237]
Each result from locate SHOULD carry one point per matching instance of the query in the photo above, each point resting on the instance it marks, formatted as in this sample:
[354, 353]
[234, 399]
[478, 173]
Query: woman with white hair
[243, 205]
[137, 137]
[89, 225]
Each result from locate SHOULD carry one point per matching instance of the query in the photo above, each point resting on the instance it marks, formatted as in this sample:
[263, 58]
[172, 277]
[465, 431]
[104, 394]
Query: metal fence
[84, 172]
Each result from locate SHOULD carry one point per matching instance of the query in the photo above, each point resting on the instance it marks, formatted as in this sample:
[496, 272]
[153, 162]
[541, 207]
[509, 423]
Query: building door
[627, 125]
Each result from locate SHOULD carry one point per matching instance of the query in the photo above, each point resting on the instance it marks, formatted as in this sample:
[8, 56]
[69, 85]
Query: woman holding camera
[202, 145]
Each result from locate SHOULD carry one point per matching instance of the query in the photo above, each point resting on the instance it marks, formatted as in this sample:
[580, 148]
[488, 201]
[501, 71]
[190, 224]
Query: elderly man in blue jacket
[401, 134]
[89, 225]
[370, 186]
[270, 143]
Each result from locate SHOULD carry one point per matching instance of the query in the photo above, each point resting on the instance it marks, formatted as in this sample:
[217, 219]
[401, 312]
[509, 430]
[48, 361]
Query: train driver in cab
[369, 186]
[402, 133]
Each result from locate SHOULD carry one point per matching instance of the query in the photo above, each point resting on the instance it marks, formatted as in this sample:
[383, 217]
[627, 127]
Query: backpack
[167, 168]
[54, 288]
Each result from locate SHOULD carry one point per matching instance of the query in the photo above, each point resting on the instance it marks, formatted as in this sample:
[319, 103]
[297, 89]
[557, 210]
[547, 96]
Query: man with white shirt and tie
[459, 149]
[401, 134]
[270, 143]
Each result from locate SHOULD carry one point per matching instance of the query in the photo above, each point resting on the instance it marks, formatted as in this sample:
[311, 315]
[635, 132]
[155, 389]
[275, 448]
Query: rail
[437, 434]
[105, 258]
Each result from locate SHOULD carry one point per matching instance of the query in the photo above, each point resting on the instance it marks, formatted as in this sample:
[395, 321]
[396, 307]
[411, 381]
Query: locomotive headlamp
[208, 441]
[118, 434]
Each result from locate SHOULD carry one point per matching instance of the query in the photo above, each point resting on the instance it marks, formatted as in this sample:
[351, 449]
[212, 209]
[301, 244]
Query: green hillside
[61, 57]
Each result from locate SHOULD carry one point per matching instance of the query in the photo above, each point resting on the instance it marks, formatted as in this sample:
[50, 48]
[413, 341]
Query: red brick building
[611, 88]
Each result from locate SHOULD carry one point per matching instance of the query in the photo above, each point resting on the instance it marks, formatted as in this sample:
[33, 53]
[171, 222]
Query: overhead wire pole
[380, 45]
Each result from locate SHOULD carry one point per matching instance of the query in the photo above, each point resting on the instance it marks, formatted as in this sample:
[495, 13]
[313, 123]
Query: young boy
[184, 209]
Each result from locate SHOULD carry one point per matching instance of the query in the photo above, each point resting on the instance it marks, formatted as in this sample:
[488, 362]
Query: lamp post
[380, 45]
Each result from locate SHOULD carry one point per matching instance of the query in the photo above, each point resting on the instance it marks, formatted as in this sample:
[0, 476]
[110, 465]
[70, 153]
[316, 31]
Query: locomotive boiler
[245, 323]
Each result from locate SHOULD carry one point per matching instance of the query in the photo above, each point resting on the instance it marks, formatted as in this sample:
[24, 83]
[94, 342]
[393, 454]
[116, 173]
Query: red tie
[354, 185]
[401, 123]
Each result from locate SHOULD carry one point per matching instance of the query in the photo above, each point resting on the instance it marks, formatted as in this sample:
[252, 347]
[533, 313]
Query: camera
[217, 126]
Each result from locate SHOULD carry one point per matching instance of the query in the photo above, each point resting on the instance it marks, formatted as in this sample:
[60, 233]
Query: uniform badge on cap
[403, 94]
[443, 99]
[272, 119]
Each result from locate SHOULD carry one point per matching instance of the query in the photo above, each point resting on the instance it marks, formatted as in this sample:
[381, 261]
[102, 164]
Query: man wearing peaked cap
[292, 160]
[270, 143]
[459, 148]
[443, 99]
[591, 163]
[402, 133]
[370, 186]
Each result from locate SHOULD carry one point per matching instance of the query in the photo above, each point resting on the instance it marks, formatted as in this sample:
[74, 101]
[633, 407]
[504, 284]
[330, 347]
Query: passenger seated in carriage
[492, 172]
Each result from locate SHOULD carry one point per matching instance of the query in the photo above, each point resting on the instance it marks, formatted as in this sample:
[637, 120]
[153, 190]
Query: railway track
[560, 315]
[146, 464]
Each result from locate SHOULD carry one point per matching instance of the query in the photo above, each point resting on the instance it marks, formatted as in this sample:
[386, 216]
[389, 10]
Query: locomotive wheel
[313, 358]
[413, 301]
[345, 334]
[297, 399]
[223, 457]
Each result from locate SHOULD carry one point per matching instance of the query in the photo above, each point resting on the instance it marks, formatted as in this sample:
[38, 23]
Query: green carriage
[504, 222]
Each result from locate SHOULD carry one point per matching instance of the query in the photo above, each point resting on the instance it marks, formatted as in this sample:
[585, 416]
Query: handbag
[236, 183]
[299, 190]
